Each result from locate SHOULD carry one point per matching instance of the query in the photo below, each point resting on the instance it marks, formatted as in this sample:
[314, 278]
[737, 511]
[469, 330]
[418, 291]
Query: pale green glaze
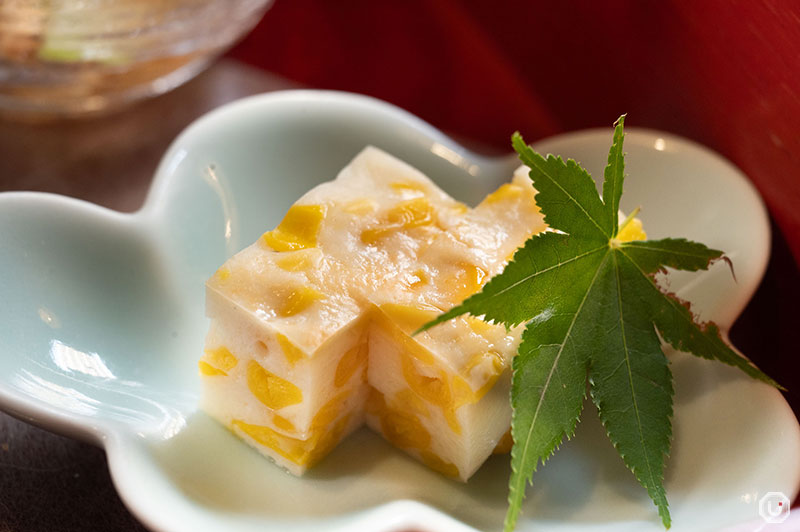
[101, 325]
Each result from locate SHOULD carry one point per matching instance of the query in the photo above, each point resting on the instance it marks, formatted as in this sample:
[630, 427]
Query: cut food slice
[311, 326]
[285, 358]
[457, 405]
[451, 381]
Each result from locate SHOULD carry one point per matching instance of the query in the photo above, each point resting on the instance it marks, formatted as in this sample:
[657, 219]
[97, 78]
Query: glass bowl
[76, 57]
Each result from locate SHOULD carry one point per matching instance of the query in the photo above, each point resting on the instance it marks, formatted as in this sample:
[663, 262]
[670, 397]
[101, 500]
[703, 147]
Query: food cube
[311, 325]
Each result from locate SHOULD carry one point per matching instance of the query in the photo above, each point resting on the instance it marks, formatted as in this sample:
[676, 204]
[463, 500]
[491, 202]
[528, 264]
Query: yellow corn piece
[405, 215]
[478, 326]
[408, 186]
[467, 280]
[409, 318]
[404, 430]
[296, 261]
[217, 361]
[292, 353]
[325, 440]
[283, 423]
[435, 462]
[330, 410]
[209, 370]
[270, 389]
[411, 400]
[505, 444]
[298, 229]
[505, 192]
[355, 358]
[434, 389]
[298, 300]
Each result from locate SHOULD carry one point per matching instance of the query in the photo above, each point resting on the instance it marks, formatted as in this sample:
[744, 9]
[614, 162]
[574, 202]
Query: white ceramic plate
[101, 324]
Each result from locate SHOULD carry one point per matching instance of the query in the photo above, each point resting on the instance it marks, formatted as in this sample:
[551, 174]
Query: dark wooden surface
[53, 483]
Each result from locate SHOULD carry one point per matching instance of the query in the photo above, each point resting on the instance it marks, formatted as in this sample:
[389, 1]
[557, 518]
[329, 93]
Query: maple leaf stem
[630, 218]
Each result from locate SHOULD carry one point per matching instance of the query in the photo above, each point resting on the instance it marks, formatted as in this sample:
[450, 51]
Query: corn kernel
[292, 449]
[330, 411]
[478, 358]
[283, 423]
[505, 444]
[412, 213]
[452, 419]
[326, 441]
[435, 462]
[301, 452]
[467, 280]
[411, 400]
[270, 389]
[405, 215]
[292, 353]
[208, 370]
[352, 360]
[478, 326]
[298, 229]
[401, 428]
[509, 191]
[497, 366]
[297, 261]
[220, 360]
[404, 343]
[462, 393]
[223, 273]
[376, 403]
[266, 437]
[410, 318]
[298, 300]
[404, 430]
[406, 187]
[435, 390]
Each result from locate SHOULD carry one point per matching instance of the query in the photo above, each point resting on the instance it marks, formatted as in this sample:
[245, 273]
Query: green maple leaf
[593, 310]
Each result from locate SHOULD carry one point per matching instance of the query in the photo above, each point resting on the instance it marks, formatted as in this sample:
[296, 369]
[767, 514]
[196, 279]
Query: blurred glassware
[77, 57]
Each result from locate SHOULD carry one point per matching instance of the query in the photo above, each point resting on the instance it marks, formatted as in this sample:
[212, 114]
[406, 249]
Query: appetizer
[380, 299]
[311, 325]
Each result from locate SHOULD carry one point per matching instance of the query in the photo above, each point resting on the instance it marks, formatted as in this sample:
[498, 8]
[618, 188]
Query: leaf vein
[549, 268]
[662, 250]
[555, 365]
[555, 182]
[652, 483]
